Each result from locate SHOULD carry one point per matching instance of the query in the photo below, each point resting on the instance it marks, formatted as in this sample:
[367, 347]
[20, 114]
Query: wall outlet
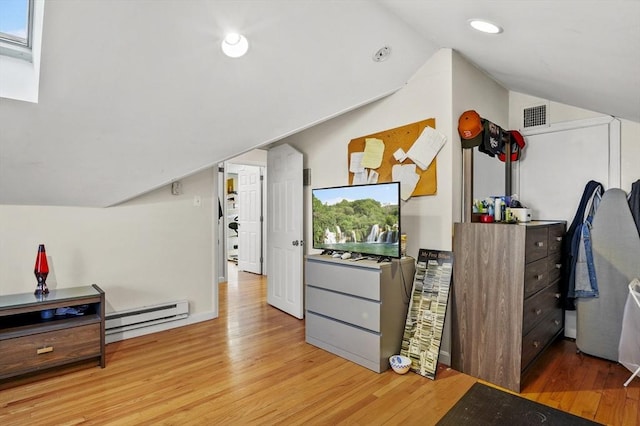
[197, 201]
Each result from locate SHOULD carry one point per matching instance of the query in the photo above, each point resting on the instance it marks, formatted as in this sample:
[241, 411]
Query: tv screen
[361, 219]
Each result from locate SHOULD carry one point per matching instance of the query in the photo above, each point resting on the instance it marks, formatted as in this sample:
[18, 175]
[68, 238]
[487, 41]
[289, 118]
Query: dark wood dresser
[63, 327]
[506, 298]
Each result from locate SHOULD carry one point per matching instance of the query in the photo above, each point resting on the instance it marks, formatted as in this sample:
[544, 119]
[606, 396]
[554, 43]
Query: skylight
[16, 28]
[15, 22]
[20, 43]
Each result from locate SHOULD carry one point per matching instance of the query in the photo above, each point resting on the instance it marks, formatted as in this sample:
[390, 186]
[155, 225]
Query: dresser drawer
[536, 277]
[554, 266]
[556, 234]
[539, 306]
[361, 282]
[37, 351]
[536, 243]
[538, 338]
[345, 340]
[361, 312]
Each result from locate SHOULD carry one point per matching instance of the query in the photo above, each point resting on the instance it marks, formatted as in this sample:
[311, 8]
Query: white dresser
[357, 309]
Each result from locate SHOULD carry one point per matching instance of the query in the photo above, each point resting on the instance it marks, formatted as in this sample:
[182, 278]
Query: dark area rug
[484, 405]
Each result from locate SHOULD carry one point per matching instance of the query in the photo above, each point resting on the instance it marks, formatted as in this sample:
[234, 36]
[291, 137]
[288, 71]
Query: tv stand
[35, 335]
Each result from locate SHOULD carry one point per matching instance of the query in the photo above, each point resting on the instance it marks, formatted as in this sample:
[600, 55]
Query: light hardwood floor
[252, 366]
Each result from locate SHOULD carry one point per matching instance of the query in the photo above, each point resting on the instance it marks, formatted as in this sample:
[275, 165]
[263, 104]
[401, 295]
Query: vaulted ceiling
[136, 94]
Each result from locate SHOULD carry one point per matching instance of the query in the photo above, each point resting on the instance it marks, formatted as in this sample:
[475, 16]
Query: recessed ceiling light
[485, 26]
[235, 45]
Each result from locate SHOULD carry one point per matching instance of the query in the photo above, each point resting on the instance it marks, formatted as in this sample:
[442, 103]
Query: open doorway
[242, 230]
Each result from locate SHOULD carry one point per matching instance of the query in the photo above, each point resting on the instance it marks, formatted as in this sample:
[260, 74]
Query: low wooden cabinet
[506, 298]
[357, 309]
[63, 327]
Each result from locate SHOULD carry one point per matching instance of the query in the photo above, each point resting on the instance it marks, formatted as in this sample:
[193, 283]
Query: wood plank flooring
[252, 366]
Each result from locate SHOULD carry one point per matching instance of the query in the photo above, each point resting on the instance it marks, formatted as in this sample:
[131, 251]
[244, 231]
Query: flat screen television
[360, 219]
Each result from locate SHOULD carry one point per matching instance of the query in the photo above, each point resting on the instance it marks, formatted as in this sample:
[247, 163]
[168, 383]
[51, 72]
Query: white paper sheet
[355, 165]
[408, 178]
[360, 178]
[426, 147]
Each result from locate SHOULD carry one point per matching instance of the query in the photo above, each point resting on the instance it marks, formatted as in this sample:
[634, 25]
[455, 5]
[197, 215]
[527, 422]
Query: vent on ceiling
[534, 116]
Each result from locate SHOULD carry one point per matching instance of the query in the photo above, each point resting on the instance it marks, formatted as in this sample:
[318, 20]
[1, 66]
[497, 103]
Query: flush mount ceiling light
[235, 45]
[485, 26]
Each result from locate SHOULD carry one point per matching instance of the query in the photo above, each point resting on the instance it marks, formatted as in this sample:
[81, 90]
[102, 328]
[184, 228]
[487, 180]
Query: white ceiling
[136, 94]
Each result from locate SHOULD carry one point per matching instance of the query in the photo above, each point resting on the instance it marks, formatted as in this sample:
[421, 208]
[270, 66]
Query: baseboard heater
[146, 316]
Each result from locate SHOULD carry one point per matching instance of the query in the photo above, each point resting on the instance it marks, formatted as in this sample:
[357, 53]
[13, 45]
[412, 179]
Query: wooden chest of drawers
[30, 342]
[506, 307]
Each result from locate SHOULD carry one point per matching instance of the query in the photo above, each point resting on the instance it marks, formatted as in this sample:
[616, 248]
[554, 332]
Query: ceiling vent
[535, 116]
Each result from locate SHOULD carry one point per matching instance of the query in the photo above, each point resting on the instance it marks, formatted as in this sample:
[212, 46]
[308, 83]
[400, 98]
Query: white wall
[155, 248]
[474, 89]
[557, 113]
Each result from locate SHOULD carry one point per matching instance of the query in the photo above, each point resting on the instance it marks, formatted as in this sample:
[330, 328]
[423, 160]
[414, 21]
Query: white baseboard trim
[191, 319]
[445, 358]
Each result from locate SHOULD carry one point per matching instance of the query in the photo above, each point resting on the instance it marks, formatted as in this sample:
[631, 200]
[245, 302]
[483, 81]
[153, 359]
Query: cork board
[400, 137]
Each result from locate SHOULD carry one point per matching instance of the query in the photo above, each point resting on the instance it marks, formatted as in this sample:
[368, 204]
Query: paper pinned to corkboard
[399, 138]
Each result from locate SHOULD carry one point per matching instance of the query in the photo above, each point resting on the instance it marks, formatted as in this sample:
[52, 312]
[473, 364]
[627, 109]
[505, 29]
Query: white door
[284, 230]
[250, 220]
[558, 161]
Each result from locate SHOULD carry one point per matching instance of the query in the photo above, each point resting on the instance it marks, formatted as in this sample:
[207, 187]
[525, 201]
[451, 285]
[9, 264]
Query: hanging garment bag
[629, 349]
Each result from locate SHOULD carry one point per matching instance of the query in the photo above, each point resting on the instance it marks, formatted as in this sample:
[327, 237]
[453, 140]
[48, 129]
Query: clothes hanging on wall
[574, 241]
[634, 203]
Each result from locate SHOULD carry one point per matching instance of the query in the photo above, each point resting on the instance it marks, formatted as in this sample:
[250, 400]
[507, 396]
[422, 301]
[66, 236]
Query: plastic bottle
[497, 209]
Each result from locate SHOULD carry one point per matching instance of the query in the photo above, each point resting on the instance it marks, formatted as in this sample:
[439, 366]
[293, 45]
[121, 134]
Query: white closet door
[558, 162]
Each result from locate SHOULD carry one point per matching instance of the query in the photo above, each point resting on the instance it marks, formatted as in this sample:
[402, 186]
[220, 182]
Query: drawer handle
[539, 244]
[556, 322]
[539, 277]
[558, 265]
[44, 350]
[558, 239]
[536, 344]
[558, 295]
[538, 311]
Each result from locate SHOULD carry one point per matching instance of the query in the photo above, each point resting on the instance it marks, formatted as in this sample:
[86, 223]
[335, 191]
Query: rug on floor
[485, 405]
